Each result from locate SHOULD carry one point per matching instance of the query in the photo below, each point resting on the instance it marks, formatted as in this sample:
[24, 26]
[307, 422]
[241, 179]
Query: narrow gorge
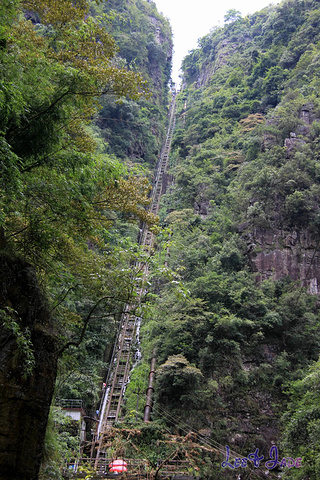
[229, 326]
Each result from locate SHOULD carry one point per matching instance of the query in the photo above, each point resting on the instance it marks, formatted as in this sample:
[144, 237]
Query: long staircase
[160, 183]
[123, 354]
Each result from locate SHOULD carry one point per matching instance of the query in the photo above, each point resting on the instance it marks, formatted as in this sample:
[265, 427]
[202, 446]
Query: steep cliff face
[257, 135]
[160, 55]
[277, 254]
[134, 130]
[28, 361]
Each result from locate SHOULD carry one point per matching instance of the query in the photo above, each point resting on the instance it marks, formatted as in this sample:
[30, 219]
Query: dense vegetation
[71, 203]
[135, 129]
[237, 347]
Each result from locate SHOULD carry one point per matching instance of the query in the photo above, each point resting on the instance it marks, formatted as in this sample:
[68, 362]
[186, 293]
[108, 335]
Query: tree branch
[84, 328]
[64, 296]
[86, 322]
[97, 93]
[164, 461]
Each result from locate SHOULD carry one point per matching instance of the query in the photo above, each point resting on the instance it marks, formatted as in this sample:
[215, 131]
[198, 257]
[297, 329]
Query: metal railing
[71, 403]
[136, 468]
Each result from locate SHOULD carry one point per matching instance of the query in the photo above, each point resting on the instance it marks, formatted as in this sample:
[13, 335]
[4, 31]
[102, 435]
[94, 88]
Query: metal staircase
[122, 357]
[159, 187]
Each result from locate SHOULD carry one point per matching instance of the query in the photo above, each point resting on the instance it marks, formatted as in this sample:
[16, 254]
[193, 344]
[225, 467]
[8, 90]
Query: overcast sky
[192, 19]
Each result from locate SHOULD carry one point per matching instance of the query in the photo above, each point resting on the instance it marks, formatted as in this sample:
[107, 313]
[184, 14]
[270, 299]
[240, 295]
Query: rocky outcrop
[202, 202]
[277, 254]
[226, 48]
[296, 138]
[28, 364]
[205, 74]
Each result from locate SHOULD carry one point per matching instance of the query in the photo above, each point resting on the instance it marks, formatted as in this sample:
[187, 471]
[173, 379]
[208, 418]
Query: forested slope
[136, 129]
[70, 203]
[234, 354]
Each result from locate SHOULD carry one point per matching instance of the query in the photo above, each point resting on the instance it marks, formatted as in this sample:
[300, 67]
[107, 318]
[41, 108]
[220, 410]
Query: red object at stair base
[118, 466]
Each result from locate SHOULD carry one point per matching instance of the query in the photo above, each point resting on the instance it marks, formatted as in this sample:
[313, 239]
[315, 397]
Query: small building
[74, 408]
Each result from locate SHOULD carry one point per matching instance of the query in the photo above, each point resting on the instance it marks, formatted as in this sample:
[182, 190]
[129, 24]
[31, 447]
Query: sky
[192, 19]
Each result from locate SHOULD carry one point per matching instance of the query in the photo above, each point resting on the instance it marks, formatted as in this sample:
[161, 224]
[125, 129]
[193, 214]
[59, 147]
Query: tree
[178, 382]
[232, 16]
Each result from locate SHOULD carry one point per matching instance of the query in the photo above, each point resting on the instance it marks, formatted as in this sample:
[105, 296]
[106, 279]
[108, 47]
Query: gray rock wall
[276, 254]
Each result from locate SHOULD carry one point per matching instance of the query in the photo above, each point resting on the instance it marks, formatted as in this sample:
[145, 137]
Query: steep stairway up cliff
[123, 352]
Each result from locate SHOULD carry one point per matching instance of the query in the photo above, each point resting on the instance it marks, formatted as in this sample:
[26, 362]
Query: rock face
[24, 399]
[277, 253]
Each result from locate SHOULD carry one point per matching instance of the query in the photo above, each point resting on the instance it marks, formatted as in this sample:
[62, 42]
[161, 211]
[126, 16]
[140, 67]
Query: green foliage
[132, 129]
[232, 16]
[68, 205]
[59, 197]
[8, 318]
[301, 423]
[178, 383]
[61, 444]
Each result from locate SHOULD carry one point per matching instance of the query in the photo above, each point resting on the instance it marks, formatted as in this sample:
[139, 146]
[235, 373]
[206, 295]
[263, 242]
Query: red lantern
[118, 466]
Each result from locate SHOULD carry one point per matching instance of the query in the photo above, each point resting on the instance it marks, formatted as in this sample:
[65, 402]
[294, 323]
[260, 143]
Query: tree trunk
[24, 399]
